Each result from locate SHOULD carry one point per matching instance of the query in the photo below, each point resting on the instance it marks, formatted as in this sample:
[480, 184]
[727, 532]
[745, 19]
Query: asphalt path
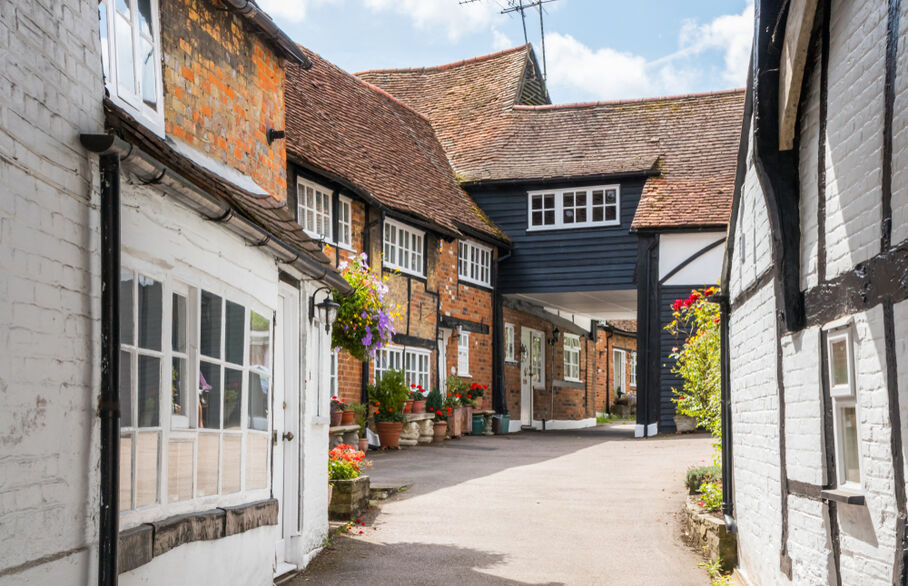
[566, 507]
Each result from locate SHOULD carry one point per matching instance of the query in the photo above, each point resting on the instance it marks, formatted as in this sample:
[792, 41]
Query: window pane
[149, 387]
[210, 396]
[210, 322]
[150, 312]
[256, 461]
[235, 332]
[611, 196]
[537, 202]
[597, 214]
[233, 392]
[125, 472]
[549, 201]
[610, 214]
[231, 463]
[105, 42]
[258, 400]
[597, 198]
[568, 216]
[581, 198]
[179, 386]
[568, 199]
[179, 470]
[127, 334]
[537, 218]
[125, 389]
[146, 469]
[549, 218]
[126, 72]
[839, 362]
[178, 324]
[259, 341]
[123, 7]
[581, 215]
[145, 17]
[850, 453]
[149, 72]
[207, 475]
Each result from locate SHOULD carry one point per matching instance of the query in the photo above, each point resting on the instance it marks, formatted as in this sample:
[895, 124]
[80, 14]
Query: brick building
[154, 257]
[815, 314]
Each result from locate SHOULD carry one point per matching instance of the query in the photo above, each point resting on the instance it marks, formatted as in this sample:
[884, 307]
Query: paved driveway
[567, 507]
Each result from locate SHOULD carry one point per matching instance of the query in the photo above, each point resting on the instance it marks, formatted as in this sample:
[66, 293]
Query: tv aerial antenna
[521, 7]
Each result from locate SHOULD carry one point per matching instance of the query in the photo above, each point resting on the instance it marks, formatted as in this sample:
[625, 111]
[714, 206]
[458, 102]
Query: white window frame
[344, 237]
[572, 357]
[632, 369]
[416, 363]
[537, 359]
[463, 354]
[559, 207]
[843, 397]
[388, 358]
[323, 217]
[509, 343]
[403, 257]
[170, 432]
[131, 101]
[474, 263]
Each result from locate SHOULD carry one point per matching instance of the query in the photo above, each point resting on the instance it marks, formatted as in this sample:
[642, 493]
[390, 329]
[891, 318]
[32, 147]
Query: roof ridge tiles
[447, 66]
[594, 104]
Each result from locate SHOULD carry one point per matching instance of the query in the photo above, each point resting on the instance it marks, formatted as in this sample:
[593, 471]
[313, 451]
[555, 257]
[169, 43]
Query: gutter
[573, 179]
[499, 394]
[249, 10]
[148, 170]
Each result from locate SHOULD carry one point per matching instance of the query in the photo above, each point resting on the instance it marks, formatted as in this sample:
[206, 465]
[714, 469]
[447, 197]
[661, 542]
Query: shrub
[697, 476]
[710, 496]
[436, 404]
[388, 395]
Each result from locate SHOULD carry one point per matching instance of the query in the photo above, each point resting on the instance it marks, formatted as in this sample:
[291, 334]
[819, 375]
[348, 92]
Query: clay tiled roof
[478, 108]
[625, 325]
[349, 129]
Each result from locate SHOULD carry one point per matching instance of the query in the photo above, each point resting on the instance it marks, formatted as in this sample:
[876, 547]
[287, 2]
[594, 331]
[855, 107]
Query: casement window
[344, 221]
[537, 355]
[183, 435]
[633, 369]
[463, 354]
[574, 208]
[131, 58]
[571, 357]
[840, 355]
[474, 263]
[313, 203]
[509, 342]
[403, 248]
[332, 374]
[413, 361]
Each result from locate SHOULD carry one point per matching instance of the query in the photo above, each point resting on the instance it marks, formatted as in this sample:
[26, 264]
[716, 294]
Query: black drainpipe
[109, 403]
[499, 393]
[728, 502]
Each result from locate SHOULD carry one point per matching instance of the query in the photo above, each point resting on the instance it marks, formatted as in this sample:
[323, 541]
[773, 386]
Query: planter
[478, 406]
[336, 417]
[419, 407]
[389, 434]
[455, 423]
[685, 424]
[708, 533]
[348, 498]
[468, 419]
[363, 444]
[440, 431]
[347, 417]
[479, 424]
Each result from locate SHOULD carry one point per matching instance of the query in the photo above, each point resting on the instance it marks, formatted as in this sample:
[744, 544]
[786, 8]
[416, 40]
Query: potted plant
[435, 404]
[389, 395]
[348, 416]
[477, 391]
[418, 395]
[337, 410]
[363, 324]
[349, 492]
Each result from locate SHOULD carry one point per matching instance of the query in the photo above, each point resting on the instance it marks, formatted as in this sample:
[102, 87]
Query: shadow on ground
[356, 561]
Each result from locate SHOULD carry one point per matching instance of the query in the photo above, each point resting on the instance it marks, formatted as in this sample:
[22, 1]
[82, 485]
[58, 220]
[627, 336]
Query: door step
[284, 573]
[528, 428]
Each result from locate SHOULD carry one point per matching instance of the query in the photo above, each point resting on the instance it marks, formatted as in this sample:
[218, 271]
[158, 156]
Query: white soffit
[589, 305]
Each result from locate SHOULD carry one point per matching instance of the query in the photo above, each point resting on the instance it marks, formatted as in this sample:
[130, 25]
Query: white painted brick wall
[809, 543]
[803, 406]
[900, 312]
[854, 132]
[50, 90]
[809, 146]
[900, 137]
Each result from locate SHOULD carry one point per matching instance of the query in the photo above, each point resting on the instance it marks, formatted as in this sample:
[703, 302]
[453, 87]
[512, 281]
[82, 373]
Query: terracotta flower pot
[347, 417]
[336, 417]
[419, 407]
[408, 406]
[363, 444]
[440, 431]
[389, 434]
[467, 419]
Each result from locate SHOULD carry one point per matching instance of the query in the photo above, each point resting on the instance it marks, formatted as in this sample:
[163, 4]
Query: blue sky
[596, 49]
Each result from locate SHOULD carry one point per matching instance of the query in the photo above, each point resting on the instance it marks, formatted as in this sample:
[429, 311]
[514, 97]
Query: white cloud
[501, 41]
[605, 73]
[289, 10]
[449, 15]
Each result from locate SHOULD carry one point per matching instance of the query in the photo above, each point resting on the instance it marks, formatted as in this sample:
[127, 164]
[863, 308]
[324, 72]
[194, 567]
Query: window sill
[470, 283]
[464, 375]
[511, 362]
[402, 271]
[575, 227]
[347, 247]
[842, 495]
[569, 383]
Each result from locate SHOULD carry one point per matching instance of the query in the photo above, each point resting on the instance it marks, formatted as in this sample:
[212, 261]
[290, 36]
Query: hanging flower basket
[363, 323]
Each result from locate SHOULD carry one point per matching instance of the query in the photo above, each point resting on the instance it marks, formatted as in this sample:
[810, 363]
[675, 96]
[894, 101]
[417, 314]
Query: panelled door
[620, 384]
[532, 371]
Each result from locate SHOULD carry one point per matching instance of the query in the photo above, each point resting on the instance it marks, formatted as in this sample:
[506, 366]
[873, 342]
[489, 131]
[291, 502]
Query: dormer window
[131, 58]
[574, 208]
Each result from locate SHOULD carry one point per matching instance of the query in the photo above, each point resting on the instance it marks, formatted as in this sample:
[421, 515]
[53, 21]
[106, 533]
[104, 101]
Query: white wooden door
[286, 435]
[620, 373]
[532, 371]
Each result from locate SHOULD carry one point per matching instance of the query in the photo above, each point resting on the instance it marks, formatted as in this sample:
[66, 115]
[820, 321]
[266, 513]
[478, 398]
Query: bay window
[574, 208]
[403, 248]
[474, 263]
[186, 436]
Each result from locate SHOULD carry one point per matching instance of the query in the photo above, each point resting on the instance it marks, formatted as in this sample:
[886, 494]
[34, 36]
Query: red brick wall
[604, 366]
[223, 87]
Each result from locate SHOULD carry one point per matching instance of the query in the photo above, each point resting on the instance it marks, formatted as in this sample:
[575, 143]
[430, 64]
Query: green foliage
[341, 470]
[711, 496]
[697, 361]
[363, 324]
[714, 569]
[457, 388]
[436, 404]
[360, 416]
[697, 476]
[388, 395]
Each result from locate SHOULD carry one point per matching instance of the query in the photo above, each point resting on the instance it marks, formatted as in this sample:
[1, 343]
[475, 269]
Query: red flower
[377, 403]
[412, 386]
[458, 395]
[485, 386]
[469, 396]
[717, 320]
[676, 305]
[390, 410]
